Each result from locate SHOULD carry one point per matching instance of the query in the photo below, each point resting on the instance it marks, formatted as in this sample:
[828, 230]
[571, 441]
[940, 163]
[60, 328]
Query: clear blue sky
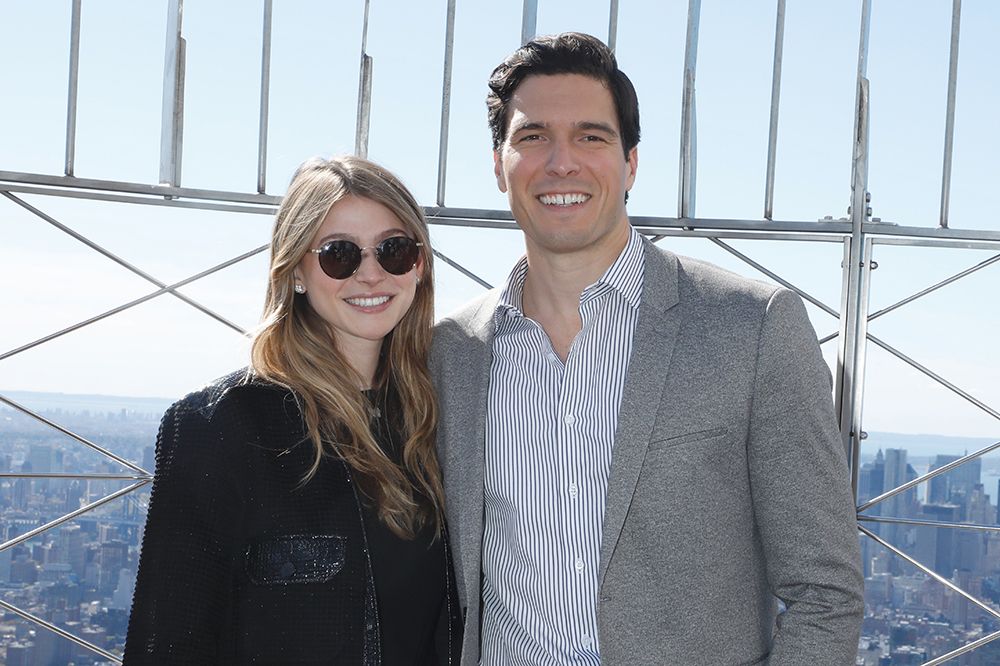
[164, 348]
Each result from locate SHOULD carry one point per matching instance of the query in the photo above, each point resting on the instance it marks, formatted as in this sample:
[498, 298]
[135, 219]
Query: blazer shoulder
[469, 319]
[238, 407]
[697, 277]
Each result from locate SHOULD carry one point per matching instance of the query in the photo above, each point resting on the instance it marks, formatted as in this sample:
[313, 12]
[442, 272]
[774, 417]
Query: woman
[296, 514]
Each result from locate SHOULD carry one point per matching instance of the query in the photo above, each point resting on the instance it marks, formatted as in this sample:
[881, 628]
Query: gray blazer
[728, 488]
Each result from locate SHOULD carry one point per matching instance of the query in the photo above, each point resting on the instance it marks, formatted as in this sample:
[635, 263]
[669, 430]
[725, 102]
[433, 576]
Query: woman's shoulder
[238, 390]
[240, 403]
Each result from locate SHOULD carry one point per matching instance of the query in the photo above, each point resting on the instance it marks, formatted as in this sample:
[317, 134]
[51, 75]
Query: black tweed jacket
[241, 563]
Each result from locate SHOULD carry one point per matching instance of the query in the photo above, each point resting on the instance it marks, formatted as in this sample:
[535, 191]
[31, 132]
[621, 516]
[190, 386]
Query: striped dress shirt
[549, 435]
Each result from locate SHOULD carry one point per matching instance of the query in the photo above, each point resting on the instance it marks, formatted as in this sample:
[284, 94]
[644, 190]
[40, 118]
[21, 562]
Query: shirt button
[579, 565]
[586, 640]
[572, 490]
[569, 419]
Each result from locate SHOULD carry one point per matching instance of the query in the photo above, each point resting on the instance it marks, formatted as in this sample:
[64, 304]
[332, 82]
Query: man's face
[563, 167]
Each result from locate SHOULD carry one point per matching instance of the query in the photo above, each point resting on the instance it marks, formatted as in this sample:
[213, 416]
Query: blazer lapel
[652, 347]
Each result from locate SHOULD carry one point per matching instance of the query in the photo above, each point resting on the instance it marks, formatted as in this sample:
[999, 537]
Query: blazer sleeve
[184, 578]
[801, 492]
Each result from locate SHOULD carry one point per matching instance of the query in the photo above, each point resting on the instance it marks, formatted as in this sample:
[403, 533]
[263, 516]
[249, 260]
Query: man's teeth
[367, 302]
[563, 199]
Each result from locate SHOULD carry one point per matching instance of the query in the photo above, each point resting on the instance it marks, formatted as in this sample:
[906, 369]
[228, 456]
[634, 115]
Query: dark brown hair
[566, 53]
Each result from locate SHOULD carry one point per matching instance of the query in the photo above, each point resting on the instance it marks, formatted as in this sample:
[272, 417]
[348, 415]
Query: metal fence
[860, 235]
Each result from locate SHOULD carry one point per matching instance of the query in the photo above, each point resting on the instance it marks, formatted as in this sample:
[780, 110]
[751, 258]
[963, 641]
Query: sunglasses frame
[376, 250]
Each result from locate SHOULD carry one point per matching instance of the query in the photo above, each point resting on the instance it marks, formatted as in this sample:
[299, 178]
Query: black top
[243, 563]
[410, 574]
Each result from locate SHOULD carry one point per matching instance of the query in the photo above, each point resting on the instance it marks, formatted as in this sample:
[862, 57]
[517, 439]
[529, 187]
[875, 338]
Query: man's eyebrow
[598, 126]
[531, 125]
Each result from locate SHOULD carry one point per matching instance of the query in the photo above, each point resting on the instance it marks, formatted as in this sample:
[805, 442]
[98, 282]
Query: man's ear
[632, 164]
[498, 171]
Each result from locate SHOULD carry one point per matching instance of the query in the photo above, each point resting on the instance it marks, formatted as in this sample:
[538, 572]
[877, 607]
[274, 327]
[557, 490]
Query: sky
[164, 348]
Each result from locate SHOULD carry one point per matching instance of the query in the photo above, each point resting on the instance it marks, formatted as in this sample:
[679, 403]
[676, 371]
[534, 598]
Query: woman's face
[363, 308]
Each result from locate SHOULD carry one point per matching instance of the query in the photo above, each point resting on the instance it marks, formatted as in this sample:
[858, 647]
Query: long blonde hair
[294, 347]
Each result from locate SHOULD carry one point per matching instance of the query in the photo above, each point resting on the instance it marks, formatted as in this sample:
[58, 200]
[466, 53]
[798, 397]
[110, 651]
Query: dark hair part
[566, 53]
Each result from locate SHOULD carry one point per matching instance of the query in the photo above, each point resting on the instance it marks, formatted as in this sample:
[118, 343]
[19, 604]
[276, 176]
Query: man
[639, 450]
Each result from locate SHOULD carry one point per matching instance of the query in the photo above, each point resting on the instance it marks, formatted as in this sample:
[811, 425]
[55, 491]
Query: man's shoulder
[709, 283]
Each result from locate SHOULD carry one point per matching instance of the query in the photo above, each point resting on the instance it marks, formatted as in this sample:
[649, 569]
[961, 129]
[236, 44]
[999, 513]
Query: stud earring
[300, 289]
[418, 280]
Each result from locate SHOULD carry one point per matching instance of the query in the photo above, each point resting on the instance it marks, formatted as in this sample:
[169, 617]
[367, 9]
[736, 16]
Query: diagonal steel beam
[777, 278]
[943, 283]
[930, 523]
[61, 632]
[121, 262]
[83, 440]
[928, 476]
[10, 543]
[462, 269]
[131, 304]
[933, 574]
[936, 377]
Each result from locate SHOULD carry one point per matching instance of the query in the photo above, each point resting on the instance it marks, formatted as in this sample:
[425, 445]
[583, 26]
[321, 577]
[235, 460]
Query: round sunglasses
[340, 259]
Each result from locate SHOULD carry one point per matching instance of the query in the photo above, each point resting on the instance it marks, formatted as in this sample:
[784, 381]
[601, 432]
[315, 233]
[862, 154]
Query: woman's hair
[295, 347]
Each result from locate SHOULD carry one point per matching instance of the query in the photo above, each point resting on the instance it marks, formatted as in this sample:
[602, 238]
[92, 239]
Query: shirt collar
[623, 276]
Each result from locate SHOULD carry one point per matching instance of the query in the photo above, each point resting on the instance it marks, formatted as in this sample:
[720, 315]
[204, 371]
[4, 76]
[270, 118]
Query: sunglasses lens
[339, 259]
[398, 255]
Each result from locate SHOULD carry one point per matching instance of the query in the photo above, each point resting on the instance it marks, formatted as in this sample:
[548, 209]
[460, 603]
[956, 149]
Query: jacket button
[287, 569]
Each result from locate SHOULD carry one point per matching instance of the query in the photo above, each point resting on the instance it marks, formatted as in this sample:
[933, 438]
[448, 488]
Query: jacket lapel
[652, 348]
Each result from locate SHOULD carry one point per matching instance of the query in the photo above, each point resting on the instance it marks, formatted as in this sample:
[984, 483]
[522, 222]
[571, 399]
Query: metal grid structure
[859, 235]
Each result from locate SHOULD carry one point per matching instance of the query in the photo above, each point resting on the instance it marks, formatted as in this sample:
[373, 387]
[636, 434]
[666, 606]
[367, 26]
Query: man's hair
[566, 53]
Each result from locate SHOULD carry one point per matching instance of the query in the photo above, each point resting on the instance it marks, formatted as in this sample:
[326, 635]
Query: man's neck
[554, 283]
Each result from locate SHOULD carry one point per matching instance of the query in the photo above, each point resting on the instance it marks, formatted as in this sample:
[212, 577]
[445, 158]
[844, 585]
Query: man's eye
[530, 137]
[593, 138]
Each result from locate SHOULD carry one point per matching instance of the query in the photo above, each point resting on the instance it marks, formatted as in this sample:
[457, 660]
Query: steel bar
[265, 97]
[983, 239]
[138, 199]
[364, 92]
[449, 55]
[827, 338]
[968, 647]
[661, 233]
[949, 123]
[71, 94]
[860, 356]
[10, 543]
[55, 475]
[931, 523]
[60, 632]
[933, 574]
[772, 133]
[935, 287]
[172, 113]
[69, 433]
[463, 270]
[955, 242]
[137, 188]
[689, 157]
[936, 377]
[944, 469]
[529, 20]
[613, 25]
[777, 278]
[851, 342]
[121, 262]
[131, 304]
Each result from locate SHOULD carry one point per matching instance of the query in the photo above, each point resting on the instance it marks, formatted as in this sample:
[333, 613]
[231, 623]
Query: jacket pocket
[700, 436]
[295, 558]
